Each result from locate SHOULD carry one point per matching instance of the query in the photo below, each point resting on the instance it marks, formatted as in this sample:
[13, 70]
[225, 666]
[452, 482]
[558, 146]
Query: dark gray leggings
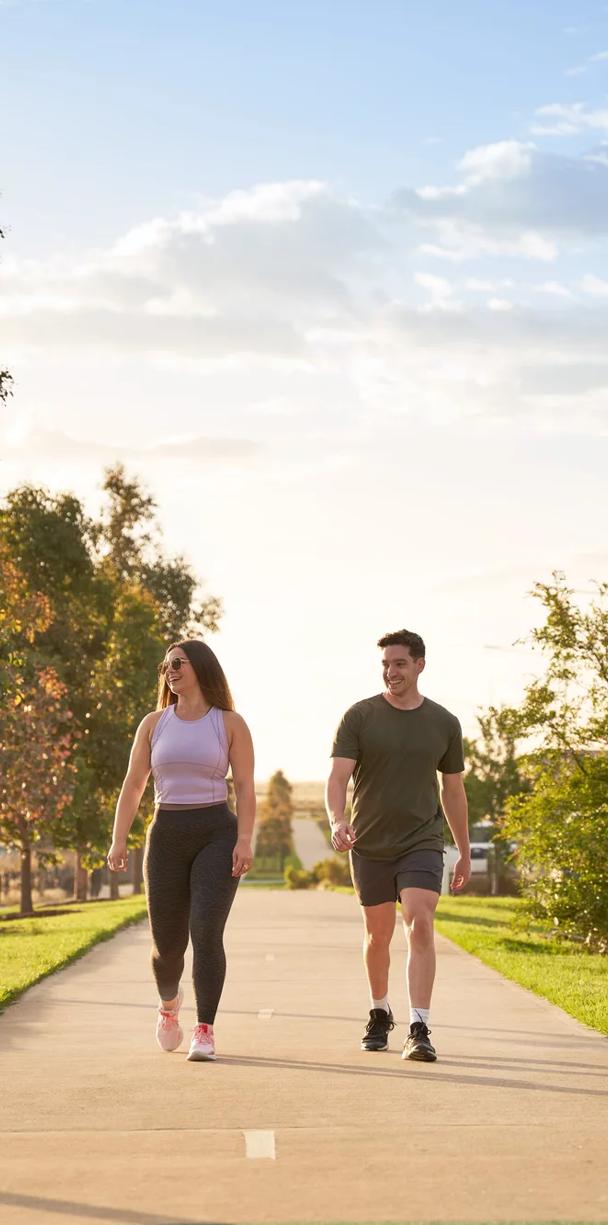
[190, 889]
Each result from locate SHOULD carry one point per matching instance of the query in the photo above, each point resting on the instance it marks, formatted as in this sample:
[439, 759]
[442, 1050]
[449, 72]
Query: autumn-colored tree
[114, 602]
[36, 776]
[36, 736]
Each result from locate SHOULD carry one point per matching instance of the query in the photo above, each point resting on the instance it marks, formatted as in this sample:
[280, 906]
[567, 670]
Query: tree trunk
[114, 890]
[138, 868]
[81, 880]
[26, 880]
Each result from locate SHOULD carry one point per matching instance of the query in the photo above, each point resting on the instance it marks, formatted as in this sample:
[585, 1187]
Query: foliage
[333, 871]
[327, 873]
[97, 603]
[6, 385]
[561, 826]
[36, 773]
[494, 771]
[274, 833]
[298, 878]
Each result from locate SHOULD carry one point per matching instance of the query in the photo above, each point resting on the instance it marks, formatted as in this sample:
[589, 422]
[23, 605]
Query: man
[393, 744]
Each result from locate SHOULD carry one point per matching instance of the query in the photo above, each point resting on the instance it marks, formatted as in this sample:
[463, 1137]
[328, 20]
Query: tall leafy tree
[114, 601]
[36, 725]
[494, 770]
[561, 826]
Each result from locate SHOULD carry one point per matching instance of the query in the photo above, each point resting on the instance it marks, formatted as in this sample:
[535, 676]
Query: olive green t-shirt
[396, 806]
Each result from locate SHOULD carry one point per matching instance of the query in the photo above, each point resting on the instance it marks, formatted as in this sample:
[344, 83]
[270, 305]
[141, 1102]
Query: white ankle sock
[383, 1003]
[419, 1014]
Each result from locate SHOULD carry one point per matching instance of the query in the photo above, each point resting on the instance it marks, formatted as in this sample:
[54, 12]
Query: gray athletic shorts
[381, 880]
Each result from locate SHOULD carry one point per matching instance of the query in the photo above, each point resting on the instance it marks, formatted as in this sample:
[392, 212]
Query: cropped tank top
[189, 758]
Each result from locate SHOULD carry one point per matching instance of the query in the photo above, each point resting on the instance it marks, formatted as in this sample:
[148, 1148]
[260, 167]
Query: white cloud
[568, 119]
[53, 445]
[594, 285]
[507, 159]
[440, 291]
[580, 69]
[481, 286]
[514, 199]
[298, 299]
[555, 289]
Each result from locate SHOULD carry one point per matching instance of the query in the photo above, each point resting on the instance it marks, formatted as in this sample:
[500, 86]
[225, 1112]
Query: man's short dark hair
[405, 638]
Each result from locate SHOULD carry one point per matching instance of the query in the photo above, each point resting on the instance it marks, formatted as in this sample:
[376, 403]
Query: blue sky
[333, 280]
[111, 107]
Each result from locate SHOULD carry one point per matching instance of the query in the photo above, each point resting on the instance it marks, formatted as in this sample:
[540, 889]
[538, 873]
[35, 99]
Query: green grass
[32, 948]
[565, 974]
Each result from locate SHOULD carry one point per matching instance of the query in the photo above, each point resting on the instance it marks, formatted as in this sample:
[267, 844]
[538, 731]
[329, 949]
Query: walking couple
[392, 744]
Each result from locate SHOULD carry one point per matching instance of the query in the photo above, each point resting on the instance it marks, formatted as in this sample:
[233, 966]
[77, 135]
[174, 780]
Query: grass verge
[32, 948]
[565, 974]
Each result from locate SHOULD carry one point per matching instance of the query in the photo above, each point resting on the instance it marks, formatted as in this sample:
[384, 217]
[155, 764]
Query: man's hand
[461, 874]
[342, 836]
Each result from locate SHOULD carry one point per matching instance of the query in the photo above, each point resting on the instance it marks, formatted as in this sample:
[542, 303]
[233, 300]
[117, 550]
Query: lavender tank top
[190, 758]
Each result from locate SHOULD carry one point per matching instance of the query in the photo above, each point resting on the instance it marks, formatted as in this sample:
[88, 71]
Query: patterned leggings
[190, 890]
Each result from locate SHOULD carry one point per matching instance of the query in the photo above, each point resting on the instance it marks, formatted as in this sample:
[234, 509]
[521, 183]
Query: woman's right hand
[117, 857]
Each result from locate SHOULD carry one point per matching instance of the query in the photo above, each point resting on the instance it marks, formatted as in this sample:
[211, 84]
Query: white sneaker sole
[200, 1057]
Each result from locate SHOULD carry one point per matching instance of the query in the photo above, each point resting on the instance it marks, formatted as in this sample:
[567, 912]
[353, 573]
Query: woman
[196, 848]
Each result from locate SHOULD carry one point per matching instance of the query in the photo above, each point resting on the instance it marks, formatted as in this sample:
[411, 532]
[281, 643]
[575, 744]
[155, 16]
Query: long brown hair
[209, 674]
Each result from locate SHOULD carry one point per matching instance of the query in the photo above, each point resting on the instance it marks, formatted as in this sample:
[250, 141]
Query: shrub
[298, 878]
[333, 871]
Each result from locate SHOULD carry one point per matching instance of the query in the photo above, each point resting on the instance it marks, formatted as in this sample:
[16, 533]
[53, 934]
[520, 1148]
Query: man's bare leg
[419, 907]
[379, 922]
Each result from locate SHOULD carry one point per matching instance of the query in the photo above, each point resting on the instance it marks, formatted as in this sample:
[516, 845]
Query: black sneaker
[417, 1044]
[377, 1030]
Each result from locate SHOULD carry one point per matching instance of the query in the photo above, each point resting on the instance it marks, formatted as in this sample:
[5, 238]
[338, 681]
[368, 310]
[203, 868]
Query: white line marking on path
[260, 1144]
[265, 1014]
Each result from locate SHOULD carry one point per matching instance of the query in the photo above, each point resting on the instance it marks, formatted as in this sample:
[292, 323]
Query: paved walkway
[295, 1123]
[309, 842]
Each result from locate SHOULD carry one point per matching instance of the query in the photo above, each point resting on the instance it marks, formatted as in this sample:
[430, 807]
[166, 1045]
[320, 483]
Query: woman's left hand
[242, 857]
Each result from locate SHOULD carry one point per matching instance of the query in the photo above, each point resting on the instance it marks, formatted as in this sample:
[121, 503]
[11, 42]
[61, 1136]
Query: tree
[36, 726]
[6, 385]
[561, 826]
[36, 776]
[113, 601]
[275, 836]
[494, 771]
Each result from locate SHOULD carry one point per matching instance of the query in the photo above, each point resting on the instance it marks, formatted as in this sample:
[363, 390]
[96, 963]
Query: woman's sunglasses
[173, 665]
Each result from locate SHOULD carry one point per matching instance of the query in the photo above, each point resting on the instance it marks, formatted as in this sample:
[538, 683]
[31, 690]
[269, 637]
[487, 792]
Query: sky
[332, 280]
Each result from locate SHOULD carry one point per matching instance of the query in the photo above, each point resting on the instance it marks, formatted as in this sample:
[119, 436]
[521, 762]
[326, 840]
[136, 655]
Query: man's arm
[342, 834]
[454, 803]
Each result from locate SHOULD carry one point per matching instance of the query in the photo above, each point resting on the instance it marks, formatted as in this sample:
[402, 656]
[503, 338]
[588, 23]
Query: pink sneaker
[203, 1043]
[169, 1033]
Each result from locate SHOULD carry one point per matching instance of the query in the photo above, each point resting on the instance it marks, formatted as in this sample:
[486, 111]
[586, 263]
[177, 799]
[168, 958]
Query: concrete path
[309, 842]
[295, 1123]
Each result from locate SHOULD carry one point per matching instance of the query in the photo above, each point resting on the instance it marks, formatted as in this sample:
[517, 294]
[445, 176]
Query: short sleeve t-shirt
[396, 806]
